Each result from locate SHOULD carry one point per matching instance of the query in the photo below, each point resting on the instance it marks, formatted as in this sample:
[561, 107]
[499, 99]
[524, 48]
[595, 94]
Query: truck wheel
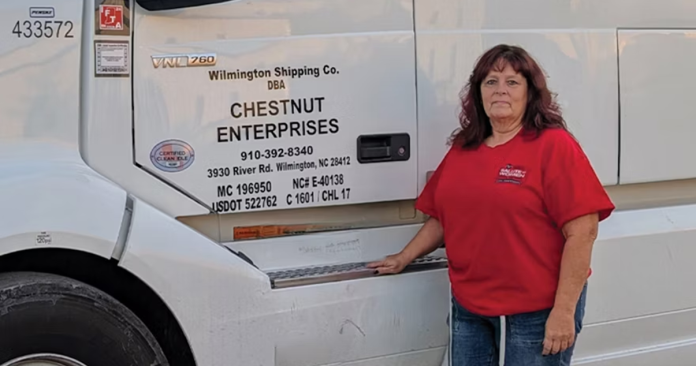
[49, 320]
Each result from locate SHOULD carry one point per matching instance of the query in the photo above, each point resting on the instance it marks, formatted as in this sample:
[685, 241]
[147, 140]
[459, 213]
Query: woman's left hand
[560, 331]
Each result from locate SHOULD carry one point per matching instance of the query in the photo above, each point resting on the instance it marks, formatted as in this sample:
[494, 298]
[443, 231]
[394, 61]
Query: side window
[154, 5]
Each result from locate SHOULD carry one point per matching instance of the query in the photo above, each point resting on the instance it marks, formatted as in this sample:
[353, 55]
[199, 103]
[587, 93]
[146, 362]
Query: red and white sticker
[110, 17]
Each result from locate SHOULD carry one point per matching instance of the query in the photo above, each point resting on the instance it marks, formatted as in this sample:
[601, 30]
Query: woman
[517, 203]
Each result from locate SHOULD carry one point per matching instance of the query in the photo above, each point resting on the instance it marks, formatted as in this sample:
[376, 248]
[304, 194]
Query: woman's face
[504, 95]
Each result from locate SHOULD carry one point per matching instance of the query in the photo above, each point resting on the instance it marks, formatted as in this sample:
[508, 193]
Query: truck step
[341, 272]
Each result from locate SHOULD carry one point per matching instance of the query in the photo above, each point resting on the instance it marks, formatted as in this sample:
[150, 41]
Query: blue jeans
[476, 340]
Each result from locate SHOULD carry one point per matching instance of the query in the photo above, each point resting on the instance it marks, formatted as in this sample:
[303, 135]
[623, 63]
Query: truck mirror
[154, 5]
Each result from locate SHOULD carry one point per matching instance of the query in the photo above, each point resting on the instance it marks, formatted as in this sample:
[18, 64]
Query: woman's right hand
[428, 238]
[392, 264]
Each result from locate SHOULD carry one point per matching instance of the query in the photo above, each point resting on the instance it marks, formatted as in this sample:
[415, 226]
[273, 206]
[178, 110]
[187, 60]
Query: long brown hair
[541, 112]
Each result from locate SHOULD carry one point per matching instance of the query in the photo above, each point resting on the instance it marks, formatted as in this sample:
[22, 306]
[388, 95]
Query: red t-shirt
[502, 209]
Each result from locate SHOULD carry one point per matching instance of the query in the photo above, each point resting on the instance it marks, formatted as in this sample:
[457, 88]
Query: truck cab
[202, 182]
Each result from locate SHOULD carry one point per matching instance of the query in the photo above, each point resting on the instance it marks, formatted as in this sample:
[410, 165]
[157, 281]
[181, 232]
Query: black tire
[45, 313]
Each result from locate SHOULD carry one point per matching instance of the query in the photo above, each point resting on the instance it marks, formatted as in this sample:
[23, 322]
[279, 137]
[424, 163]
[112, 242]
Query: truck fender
[58, 202]
[222, 303]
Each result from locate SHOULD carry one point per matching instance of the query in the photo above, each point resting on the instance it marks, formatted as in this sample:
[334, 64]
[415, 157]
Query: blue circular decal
[172, 156]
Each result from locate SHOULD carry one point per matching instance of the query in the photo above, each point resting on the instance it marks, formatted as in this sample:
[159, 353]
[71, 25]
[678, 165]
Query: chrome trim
[44, 359]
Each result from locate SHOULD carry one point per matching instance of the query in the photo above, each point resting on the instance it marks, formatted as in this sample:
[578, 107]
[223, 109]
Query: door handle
[383, 148]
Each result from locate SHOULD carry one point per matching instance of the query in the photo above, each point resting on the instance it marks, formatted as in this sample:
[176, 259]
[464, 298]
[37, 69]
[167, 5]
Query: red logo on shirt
[511, 174]
[110, 17]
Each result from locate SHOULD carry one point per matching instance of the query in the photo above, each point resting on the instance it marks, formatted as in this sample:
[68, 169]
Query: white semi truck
[200, 182]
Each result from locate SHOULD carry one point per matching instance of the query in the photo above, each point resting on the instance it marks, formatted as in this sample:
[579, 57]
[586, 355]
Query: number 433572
[43, 29]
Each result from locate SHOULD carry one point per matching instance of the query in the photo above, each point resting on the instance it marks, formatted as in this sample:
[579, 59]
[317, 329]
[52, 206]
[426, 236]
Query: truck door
[262, 104]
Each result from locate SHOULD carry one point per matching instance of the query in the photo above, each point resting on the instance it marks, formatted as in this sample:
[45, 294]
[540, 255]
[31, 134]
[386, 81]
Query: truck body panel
[36, 193]
[229, 310]
[50, 197]
[106, 124]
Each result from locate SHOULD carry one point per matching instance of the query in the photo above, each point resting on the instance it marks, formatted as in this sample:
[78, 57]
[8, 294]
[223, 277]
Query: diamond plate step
[341, 272]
